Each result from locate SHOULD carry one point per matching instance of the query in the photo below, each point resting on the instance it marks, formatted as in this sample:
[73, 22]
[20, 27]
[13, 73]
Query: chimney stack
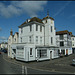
[11, 32]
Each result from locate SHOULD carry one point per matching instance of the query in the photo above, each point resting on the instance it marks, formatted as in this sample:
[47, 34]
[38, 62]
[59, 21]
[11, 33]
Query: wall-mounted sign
[20, 47]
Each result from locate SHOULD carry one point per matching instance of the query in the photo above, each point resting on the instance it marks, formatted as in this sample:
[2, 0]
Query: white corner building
[37, 40]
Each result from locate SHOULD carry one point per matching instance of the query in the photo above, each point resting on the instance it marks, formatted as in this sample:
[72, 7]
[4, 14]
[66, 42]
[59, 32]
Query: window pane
[21, 39]
[61, 37]
[40, 39]
[36, 39]
[42, 53]
[40, 28]
[61, 43]
[51, 40]
[30, 39]
[30, 51]
[21, 30]
[30, 27]
[36, 27]
[51, 28]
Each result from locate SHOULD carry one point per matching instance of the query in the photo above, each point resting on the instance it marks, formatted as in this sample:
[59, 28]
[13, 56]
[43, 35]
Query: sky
[14, 13]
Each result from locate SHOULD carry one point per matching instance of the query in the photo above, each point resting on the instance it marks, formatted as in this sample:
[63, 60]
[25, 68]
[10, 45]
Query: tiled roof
[73, 36]
[33, 19]
[47, 17]
[16, 32]
[63, 32]
[36, 19]
[70, 33]
[23, 24]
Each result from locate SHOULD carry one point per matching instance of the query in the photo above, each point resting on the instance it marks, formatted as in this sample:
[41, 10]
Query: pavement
[9, 68]
[59, 65]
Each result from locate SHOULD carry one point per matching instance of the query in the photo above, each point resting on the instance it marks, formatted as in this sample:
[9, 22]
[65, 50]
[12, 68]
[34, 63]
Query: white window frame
[51, 40]
[36, 39]
[31, 51]
[51, 28]
[40, 40]
[21, 30]
[30, 39]
[21, 39]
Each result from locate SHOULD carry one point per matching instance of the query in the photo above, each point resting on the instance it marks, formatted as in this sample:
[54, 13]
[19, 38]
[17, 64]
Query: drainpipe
[44, 35]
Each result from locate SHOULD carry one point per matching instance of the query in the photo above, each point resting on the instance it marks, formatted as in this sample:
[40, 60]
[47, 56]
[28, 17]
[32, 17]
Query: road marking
[23, 69]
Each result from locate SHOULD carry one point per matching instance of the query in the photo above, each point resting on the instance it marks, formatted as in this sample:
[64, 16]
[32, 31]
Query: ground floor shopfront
[30, 52]
[65, 51]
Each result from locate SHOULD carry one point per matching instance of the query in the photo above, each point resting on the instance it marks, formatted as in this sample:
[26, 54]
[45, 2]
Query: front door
[50, 54]
[66, 51]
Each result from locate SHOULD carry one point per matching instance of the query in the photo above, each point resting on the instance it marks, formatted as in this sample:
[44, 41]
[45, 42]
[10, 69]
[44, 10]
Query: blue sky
[14, 13]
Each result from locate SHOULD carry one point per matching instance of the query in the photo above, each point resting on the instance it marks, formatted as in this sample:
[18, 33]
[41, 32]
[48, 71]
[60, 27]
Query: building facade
[37, 40]
[4, 45]
[73, 43]
[63, 40]
[11, 40]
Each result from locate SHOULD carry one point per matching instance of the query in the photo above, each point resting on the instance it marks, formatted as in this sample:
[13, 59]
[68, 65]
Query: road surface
[10, 68]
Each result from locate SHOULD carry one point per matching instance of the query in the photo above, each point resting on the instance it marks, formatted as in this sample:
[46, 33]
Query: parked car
[73, 62]
[5, 51]
[0, 52]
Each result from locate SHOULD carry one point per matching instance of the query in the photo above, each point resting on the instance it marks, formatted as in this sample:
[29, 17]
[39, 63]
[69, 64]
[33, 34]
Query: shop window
[42, 53]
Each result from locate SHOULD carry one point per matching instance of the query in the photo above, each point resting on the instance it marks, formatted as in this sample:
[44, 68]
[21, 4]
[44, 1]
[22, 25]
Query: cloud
[3, 38]
[62, 8]
[20, 7]
[71, 16]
